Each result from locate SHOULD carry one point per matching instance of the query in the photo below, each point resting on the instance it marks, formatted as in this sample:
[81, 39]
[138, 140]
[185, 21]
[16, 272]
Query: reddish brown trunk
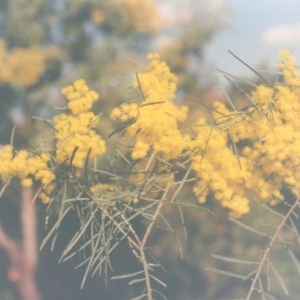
[23, 257]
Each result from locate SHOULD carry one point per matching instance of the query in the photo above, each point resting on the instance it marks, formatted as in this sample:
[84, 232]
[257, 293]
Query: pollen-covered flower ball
[155, 121]
[77, 131]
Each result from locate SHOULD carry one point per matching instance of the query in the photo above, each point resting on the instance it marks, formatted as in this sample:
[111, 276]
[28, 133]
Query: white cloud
[284, 34]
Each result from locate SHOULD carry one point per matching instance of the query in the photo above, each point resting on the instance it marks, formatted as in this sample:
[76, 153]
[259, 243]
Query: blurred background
[45, 45]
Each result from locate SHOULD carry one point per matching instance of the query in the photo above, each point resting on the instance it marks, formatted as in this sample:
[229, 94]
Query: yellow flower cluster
[219, 170]
[271, 128]
[25, 166]
[159, 84]
[274, 157]
[76, 131]
[125, 112]
[80, 97]
[289, 71]
[22, 66]
[223, 165]
[156, 118]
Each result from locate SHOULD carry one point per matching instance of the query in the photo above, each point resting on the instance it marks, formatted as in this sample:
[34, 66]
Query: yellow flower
[80, 97]
[27, 182]
[125, 112]
[263, 95]
[156, 119]
[23, 165]
[74, 134]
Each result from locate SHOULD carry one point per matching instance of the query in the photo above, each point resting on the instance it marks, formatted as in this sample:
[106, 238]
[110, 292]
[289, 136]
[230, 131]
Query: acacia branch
[266, 253]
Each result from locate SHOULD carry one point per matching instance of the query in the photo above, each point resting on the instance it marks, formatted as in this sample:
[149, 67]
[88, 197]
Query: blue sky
[257, 31]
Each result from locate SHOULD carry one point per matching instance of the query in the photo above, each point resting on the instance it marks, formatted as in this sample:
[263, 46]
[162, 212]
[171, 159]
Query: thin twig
[266, 253]
[144, 241]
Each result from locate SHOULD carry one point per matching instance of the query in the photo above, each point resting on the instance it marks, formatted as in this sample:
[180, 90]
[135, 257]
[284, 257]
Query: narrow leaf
[94, 248]
[140, 86]
[261, 289]
[295, 230]
[159, 281]
[78, 234]
[159, 293]
[206, 105]
[272, 210]
[279, 278]
[140, 297]
[86, 167]
[229, 259]
[237, 78]
[243, 92]
[249, 275]
[269, 296]
[235, 150]
[261, 77]
[72, 156]
[136, 281]
[221, 272]
[190, 206]
[248, 227]
[127, 275]
[152, 103]
[227, 96]
[294, 259]
[54, 227]
[268, 278]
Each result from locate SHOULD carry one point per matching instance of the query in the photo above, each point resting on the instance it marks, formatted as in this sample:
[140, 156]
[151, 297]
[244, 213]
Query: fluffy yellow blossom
[80, 97]
[159, 84]
[219, 170]
[27, 182]
[275, 152]
[272, 130]
[125, 112]
[45, 193]
[223, 165]
[157, 127]
[156, 120]
[289, 71]
[263, 95]
[270, 127]
[75, 136]
[25, 166]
